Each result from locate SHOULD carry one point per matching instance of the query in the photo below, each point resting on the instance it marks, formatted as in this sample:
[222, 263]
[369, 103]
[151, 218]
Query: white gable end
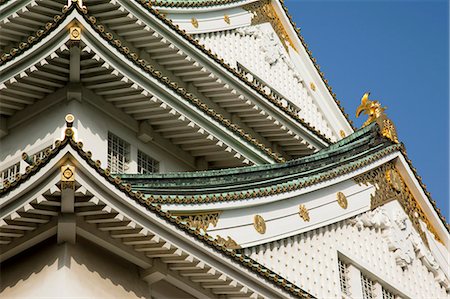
[381, 245]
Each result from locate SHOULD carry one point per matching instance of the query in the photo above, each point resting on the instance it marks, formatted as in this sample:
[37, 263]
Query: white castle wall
[382, 245]
[91, 127]
[82, 270]
[258, 49]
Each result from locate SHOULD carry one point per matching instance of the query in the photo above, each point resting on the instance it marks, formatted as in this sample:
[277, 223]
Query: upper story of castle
[196, 84]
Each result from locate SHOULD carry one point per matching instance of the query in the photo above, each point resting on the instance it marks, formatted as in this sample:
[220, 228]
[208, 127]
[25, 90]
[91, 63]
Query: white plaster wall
[91, 126]
[83, 270]
[268, 59]
[281, 212]
[70, 271]
[310, 260]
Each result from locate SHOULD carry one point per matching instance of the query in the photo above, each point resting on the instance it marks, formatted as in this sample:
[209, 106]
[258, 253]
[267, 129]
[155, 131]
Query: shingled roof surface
[355, 150]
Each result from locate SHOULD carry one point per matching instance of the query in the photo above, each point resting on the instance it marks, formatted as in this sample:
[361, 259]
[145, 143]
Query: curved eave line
[9, 7]
[197, 6]
[257, 184]
[56, 38]
[153, 19]
[130, 69]
[277, 283]
[48, 43]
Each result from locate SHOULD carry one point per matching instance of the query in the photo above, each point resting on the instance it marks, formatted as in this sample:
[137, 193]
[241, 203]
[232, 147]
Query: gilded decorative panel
[389, 185]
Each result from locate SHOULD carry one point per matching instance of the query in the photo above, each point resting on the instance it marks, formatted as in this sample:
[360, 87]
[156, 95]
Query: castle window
[147, 164]
[343, 278]
[9, 174]
[387, 294]
[367, 287]
[118, 154]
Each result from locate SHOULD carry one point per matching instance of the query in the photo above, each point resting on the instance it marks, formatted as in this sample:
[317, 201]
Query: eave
[182, 105]
[287, 133]
[99, 200]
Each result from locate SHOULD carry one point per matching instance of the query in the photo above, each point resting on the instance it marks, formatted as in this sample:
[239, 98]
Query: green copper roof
[357, 149]
[191, 3]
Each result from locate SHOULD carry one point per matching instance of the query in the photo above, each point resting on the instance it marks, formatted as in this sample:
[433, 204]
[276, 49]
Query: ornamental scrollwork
[402, 239]
[263, 12]
[199, 220]
[228, 243]
[389, 185]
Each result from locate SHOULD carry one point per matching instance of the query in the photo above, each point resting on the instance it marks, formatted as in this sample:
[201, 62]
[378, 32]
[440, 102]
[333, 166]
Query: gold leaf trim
[389, 185]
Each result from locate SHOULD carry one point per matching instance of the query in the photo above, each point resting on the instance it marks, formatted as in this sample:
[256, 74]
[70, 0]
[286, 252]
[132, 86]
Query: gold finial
[78, 2]
[194, 22]
[376, 114]
[69, 120]
[227, 20]
[313, 86]
[75, 33]
[259, 224]
[304, 213]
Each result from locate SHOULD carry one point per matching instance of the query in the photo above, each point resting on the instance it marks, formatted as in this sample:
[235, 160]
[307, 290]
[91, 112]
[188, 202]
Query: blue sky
[399, 51]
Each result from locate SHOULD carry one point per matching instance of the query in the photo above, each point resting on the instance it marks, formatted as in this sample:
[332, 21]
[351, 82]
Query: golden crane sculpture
[375, 113]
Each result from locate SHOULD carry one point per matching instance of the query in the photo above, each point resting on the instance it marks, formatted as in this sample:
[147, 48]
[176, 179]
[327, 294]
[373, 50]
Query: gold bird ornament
[375, 113]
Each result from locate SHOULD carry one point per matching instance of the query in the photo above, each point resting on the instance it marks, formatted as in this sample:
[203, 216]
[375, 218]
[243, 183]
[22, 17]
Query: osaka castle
[194, 149]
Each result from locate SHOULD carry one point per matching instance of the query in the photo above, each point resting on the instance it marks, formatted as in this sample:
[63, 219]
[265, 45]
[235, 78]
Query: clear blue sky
[398, 50]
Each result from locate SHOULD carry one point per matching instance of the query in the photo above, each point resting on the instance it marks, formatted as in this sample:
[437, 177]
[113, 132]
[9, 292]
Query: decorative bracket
[200, 220]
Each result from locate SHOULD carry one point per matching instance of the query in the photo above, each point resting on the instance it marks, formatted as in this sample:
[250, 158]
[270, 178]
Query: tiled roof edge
[138, 197]
[148, 68]
[228, 67]
[192, 3]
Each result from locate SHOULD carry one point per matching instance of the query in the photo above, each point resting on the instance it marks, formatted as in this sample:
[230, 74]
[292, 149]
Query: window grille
[387, 294]
[41, 154]
[367, 287]
[147, 164]
[9, 174]
[118, 154]
[343, 278]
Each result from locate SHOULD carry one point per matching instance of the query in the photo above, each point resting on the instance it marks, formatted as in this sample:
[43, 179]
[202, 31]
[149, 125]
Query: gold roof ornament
[227, 20]
[376, 114]
[228, 243]
[194, 22]
[75, 33]
[342, 200]
[79, 3]
[259, 224]
[67, 177]
[304, 213]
